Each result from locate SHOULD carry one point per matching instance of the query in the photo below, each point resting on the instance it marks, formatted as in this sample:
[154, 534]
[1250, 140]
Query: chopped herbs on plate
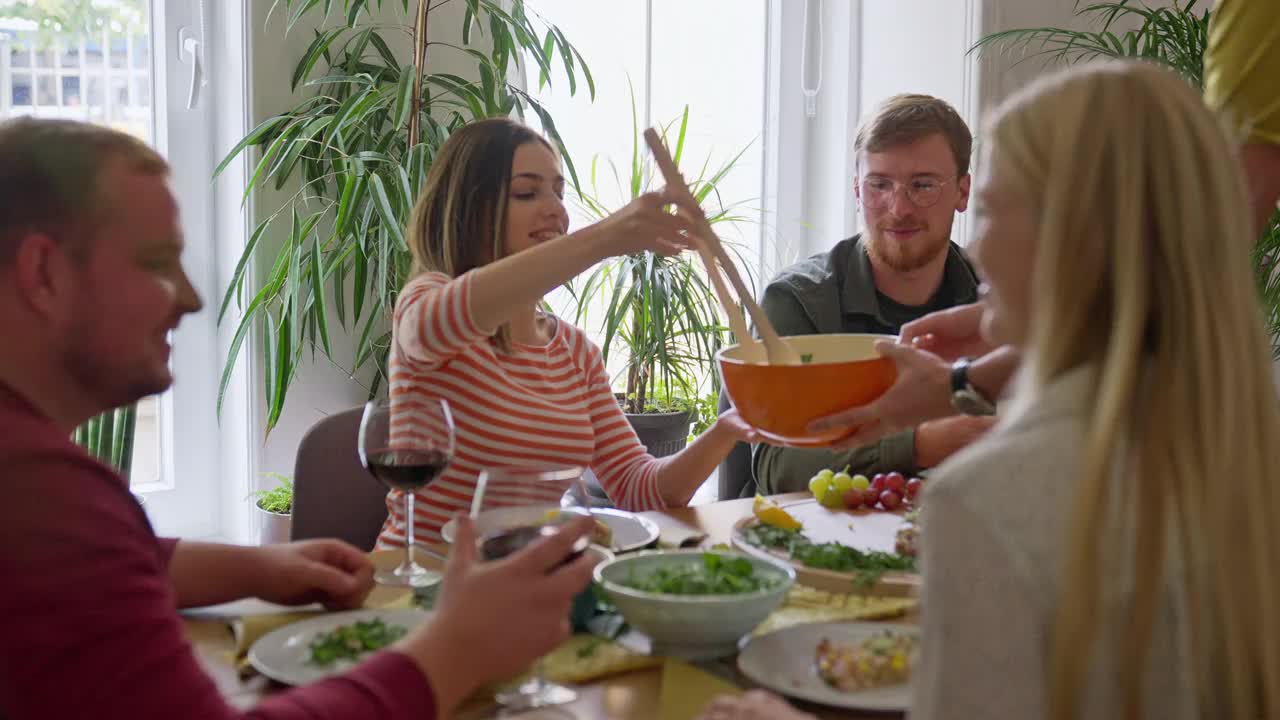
[715, 575]
[866, 566]
[348, 642]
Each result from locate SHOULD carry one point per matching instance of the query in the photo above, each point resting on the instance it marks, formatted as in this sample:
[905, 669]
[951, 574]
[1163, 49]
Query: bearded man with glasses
[912, 157]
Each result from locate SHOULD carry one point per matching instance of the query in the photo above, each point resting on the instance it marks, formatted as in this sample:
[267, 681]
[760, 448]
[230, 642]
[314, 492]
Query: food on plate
[716, 575]
[907, 539]
[880, 660]
[349, 642]
[768, 512]
[601, 535]
[866, 566]
[885, 491]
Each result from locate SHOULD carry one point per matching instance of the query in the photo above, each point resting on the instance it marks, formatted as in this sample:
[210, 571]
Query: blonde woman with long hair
[489, 238]
[1112, 549]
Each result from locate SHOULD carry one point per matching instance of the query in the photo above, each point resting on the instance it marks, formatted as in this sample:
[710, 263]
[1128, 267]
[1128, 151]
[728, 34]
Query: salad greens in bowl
[694, 604]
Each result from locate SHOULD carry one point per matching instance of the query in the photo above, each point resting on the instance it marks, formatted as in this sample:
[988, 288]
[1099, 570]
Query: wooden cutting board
[859, 529]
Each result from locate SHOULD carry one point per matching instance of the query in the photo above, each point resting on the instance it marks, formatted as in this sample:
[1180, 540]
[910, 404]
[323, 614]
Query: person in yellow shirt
[1242, 81]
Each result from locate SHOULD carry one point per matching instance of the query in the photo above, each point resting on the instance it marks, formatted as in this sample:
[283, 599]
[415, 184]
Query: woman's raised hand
[647, 224]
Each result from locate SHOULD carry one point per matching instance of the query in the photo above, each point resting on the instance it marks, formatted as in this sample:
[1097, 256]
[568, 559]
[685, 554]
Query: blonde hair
[459, 221]
[904, 119]
[50, 178]
[1142, 272]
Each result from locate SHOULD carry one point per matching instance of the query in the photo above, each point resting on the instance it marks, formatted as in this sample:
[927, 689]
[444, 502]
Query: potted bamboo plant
[661, 312]
[1175, 36]
[360, 144]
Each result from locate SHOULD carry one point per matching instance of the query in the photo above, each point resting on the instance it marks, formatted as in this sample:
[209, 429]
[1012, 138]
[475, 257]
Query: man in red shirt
[91, 284]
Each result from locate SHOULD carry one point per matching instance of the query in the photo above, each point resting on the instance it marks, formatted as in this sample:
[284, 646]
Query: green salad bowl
[692, 626]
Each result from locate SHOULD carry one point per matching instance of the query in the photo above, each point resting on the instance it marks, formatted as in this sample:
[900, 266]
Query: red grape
[913, 487]
[852, 498]
[890, 499]
[877, 482]
[896, 482]
[870, 497]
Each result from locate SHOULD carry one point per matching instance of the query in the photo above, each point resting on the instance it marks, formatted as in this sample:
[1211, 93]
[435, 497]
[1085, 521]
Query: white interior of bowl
[833, 348]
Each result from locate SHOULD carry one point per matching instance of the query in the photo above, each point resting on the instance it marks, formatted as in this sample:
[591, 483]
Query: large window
[654, 58]
[113, 62]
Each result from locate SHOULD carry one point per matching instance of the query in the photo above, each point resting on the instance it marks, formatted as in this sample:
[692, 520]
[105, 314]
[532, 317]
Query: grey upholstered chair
[333, 496]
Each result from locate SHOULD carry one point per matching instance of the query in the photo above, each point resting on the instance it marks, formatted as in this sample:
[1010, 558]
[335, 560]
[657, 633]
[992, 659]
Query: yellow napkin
[686, 690]
[583, 658]
[810, 605]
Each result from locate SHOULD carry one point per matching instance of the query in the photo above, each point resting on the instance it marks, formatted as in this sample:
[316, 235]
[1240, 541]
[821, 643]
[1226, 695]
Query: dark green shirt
[833, 292]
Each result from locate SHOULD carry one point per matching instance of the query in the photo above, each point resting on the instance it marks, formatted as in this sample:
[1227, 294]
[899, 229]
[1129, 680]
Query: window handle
[191, 51]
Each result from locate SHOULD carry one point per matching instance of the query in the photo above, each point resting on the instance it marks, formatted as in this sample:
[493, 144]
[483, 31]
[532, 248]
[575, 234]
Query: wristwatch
[964, 396]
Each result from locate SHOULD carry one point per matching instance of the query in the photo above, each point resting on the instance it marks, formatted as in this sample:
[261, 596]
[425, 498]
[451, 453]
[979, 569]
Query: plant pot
[662, 434]
[273, 527]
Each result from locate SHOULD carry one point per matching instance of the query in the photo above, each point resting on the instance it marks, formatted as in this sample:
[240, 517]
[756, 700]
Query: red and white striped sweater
[548, 406]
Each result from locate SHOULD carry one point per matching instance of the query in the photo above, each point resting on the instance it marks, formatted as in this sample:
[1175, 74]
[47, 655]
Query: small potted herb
[275, 511]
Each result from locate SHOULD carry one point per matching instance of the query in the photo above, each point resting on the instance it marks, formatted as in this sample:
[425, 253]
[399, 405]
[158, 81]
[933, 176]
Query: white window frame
[190, 499]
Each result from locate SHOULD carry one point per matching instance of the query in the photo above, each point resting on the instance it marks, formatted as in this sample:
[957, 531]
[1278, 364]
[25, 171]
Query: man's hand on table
[329, 572]
[753, 705]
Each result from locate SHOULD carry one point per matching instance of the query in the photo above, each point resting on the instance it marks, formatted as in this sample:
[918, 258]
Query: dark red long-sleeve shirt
[88, 623]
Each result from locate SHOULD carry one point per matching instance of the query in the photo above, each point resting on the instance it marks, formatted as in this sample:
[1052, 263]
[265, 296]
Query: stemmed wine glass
[512, 508]
[406, 449]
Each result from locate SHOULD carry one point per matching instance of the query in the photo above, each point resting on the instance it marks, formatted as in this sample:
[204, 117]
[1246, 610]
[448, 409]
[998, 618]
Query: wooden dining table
[630, 696]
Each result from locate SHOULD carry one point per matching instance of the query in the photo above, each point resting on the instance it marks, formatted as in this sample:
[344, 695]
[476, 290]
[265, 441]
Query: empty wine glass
[512, 508]
[406, 450]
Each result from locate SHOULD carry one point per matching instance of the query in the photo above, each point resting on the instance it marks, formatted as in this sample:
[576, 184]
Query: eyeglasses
[878, 192]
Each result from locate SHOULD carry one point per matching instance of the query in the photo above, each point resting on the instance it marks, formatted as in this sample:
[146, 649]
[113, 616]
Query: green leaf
[384, 50]
[297, 14]
[360, 276]
[344, 203]
[567, 58]
[389, 219]
[321, 310]
[404, 96]
[237, 277]
[548, 49]
[319, 45]
[353, 11]
[255, 137]
[586, 73]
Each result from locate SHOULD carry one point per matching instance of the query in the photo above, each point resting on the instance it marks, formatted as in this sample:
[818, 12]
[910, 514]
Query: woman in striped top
[489, 239]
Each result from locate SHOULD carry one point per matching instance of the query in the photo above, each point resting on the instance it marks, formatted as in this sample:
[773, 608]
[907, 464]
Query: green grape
[860, 482]
[832, 499]
[818, 486]
[826, 474]
[842, 482]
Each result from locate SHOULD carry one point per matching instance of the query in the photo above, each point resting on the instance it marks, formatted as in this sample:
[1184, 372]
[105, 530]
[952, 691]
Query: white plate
[282, 653]
[630, 531]
[783, 661]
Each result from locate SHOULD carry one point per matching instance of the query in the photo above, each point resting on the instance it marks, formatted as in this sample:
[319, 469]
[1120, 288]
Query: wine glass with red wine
[406, 449]
[512, 508]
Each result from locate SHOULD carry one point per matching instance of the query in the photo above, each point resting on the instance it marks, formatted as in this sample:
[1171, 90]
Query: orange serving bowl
[843, 371]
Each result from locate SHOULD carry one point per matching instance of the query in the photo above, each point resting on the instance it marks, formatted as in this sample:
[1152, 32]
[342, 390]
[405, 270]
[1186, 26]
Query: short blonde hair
[904, 119]
[49, 177]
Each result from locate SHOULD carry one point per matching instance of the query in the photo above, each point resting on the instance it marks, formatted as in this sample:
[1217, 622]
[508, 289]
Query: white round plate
[630, 531]
[282, 653]
[783, 661]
